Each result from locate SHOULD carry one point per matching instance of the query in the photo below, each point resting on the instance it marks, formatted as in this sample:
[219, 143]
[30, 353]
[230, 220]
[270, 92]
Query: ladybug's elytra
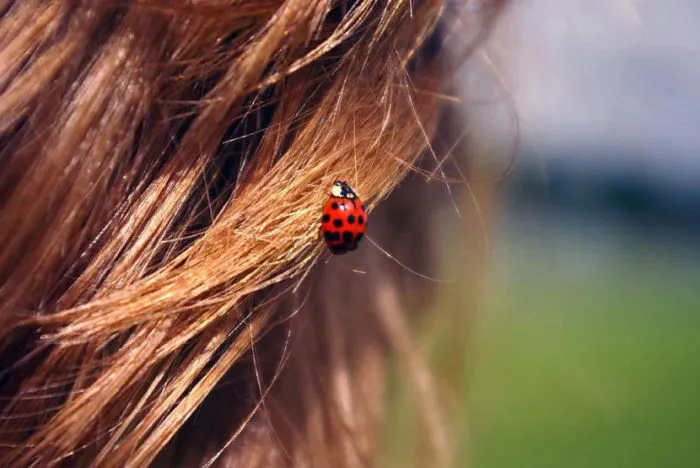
[344, 219]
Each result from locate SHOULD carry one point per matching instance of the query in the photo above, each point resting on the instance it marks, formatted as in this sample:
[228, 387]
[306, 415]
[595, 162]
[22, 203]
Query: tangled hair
[164, 297]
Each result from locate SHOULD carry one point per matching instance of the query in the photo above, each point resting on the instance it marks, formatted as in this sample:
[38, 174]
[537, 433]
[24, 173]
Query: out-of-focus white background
[605, 75]
[609, 74]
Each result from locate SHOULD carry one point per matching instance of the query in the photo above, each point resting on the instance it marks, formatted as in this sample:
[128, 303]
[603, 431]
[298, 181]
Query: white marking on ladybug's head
[341, 189]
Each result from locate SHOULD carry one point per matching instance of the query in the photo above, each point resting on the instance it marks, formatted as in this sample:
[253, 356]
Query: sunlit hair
[164, 297]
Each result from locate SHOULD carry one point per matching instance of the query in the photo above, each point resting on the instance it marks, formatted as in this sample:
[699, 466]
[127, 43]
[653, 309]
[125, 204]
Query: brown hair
[161, 172]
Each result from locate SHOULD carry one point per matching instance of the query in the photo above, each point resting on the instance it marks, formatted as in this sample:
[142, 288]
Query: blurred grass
[599, 368]
[604, 372]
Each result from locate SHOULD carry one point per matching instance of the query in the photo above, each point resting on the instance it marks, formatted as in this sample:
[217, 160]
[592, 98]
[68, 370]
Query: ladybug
[344, 219]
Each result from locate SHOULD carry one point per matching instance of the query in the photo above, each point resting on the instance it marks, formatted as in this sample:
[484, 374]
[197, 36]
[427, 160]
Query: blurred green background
[586, 352]
[576, 341]
[582, 348]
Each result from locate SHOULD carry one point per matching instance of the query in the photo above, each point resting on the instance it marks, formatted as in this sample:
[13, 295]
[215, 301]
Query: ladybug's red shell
[344, 221]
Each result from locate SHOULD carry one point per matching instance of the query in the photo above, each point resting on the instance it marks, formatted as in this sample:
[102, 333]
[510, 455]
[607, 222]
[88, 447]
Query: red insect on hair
[344, 219]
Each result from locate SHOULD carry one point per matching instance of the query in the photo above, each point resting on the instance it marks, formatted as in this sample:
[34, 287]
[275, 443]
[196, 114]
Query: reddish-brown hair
[162, 165]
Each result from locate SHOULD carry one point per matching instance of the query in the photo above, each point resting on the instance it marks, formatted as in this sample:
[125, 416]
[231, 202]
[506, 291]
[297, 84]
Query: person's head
[164, 295]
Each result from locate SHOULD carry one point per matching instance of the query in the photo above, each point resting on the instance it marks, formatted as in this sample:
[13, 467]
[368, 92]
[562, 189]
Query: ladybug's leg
[338, 249]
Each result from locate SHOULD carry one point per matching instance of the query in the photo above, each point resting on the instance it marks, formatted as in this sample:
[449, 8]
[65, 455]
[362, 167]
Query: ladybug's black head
[341, 189]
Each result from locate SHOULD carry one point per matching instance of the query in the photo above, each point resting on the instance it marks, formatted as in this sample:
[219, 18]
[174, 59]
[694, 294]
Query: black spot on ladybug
[326, 218]
[359, 237]
[360, 219]
[347, 237]
[331, 236]
[334, 206]
[338, 223]
[351, 219]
